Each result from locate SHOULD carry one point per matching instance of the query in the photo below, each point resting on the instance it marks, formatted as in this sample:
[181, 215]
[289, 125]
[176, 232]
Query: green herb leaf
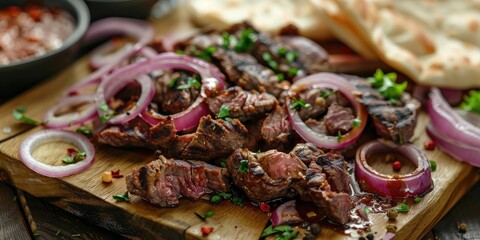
[215, 199]
[15, 198]
[339, 136]
[172, 82]
[179, 52]
[85, 131]
[237, 200]
[270, 61]
[206, 53]
[280, 77]
[293, 71]
[356, 122]
[417, 199]
[223, 164]
[400, 138]
[205, 216]
[122, 197]
[325, 94]
[386, 85]
[299, 103]
[107, 112]
[73, 159]
[192, 82]
[243, 166]
[226, 40]
[471, 102]
[19, 115]
[278, 229]
[433, 165]
[367, 210]
[291, 56]
[245, 41]
[402, 207]
[224, 112]
[282, 51]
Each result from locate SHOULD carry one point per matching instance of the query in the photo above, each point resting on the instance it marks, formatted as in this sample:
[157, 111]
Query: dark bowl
[139, 9]
[20, 75]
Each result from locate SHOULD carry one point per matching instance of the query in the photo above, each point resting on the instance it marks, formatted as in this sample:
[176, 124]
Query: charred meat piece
[265, 176]
[335, 168]
[173, 95]
[307, 152]
[319, 100]
[213, 138]
[241, 104]
[317, 126]
[316, 189]
[133, 133]
[395, 122]
[338, 119]
[276, 130]
[311, 57]
[164, 181]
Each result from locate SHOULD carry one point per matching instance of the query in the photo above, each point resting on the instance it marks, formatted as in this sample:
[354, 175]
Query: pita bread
[266, 15]
[434, 42]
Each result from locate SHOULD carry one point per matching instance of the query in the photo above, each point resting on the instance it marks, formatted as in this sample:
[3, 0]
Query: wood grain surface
[86, 196]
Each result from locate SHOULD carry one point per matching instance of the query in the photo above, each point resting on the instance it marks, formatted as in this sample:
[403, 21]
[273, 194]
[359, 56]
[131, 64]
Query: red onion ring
[107, 53]
[47, 136]
[451, 125]
[339, 83]
[71, 119]
[286, 214]
[459, 150]
[108, 27]
[396, 186]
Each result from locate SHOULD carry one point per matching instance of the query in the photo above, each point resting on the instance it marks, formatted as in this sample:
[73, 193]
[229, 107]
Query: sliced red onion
[336, 82]
[451, 125]
[388, 236]
[71, 119]
[113, 84]
[286, 214]
[396, 186]
[33, 141]
[107, 53]
[169, 41]
[148, 52]
[109, 27]
[459, 150]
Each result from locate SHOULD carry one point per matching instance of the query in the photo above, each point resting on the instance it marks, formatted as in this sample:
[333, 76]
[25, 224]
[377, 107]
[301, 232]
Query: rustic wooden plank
[12, 222]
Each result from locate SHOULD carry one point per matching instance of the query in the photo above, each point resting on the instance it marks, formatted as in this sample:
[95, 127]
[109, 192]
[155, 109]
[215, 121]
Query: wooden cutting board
[86, 196]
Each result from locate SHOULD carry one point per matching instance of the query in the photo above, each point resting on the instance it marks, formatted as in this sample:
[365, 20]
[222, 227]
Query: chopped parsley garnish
[291, 56]
[224, 112]
[108, 113]
[220, 196]
[18, 114]
[245, 41]
[73, 156]
[299, 103]
[206, 53]
[223, 164]
[282, 51]
[243, 166]
[280, 77]
[283, 232]
[270, 61]
[205, 216]
[356, 122]
[122, 197]
[367, 210]
[293, 71]
[471, 102]
[237, 200]
[172, 82]
[179, 52]
[85, 131]
[192, 82]
[400, 138]
[227, 39]
[325, 94]
[339, 136]
[386, 85]
[402, 207]
[417, 199]
[433, 165]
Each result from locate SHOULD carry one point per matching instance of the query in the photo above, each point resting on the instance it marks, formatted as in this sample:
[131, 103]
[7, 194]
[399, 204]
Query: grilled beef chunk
[317, 126]
[319, 100]
[171, 99]
[133, 133]
[265, 176]
[391, 121]
[335, 167]
[276, 130]
[338, 119]
[316, 189]
[242, 104]
[311, 57]
[164, 181]
[307, 152]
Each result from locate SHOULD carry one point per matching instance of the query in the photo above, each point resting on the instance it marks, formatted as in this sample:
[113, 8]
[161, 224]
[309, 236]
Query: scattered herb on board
[204, 217]
[85, 131]
[243, 168]
[433, 165]
[218, 197]
[471, 102]
[192, 82]
[282, 232]
[402, 207]
[299, 103]
[417, 199]
[122, 197]
[224, 112]
[19, 114]
[73, 156]
[386, 85]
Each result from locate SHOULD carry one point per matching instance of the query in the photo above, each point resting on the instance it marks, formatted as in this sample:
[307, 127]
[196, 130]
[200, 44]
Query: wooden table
[23, 216]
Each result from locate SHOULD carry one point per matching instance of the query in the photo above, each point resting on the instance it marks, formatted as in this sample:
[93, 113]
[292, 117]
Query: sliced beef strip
[133, 133]
[269, 175]
[338, 119]
[170, 99]
[276, 129]
[319, 100]
[307, 152]
[335, 167]
[243, 105]
[164, 181]
[390, 121]
[316, 189]
[311, 57]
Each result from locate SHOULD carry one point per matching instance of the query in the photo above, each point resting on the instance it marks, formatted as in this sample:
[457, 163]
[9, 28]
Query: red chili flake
[264, 207]
[397, 165]
[116, 174]
[72, 152]
[429, 145]
[206, 230]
